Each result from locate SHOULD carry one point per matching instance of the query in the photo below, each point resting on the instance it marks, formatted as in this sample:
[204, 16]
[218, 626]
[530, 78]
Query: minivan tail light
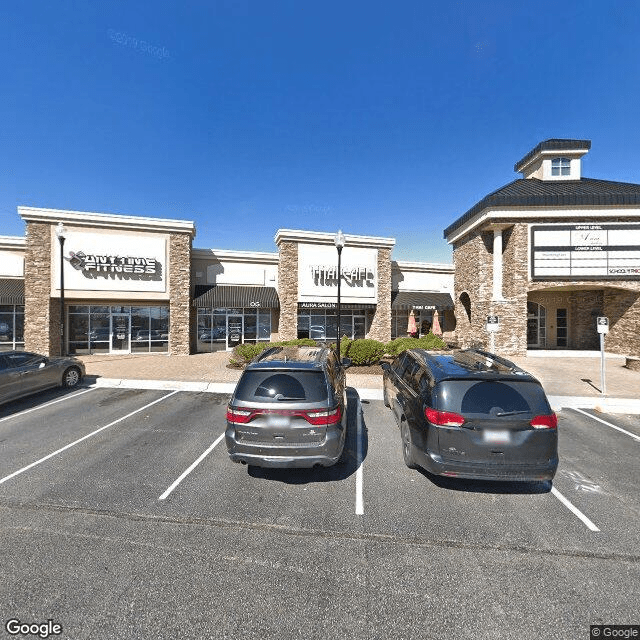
[545, 422]
[443, 418]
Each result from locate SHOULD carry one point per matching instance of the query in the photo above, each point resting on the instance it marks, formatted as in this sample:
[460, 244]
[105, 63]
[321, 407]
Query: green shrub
[429, 342]
[245, 353]
[364, 351]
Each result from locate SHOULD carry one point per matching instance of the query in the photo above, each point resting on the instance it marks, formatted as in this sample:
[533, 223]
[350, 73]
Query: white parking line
[359, 478]
[185, 473]
[613, 426]
[46, 404]
[75, 442]
[574, 509]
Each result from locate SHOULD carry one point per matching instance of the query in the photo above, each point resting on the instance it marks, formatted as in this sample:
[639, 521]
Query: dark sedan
[23, 373]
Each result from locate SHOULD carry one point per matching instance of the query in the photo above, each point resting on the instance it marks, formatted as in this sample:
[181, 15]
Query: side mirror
[385, 366]
[346, 362]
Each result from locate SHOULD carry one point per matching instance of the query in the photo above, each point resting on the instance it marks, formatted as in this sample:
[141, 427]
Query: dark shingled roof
[532, 192]
[554, 144]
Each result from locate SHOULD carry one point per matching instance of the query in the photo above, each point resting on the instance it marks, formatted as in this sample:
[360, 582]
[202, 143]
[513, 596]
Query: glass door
[120, 333]
[536, 325]
[234, 330]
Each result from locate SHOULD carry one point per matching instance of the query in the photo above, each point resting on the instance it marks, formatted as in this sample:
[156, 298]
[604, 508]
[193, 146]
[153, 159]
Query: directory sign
[585, 251]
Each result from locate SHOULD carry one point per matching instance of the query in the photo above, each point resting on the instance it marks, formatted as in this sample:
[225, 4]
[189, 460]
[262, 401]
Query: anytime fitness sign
[112, 262]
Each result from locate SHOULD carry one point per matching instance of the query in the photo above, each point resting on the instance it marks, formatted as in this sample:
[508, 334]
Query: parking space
[375, 532]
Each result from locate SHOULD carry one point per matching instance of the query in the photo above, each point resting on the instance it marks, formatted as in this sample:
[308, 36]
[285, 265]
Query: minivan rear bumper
[326, 453]
[433, 463]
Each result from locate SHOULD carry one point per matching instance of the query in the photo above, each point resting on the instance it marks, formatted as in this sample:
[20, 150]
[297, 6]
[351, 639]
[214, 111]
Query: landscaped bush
[364, 351]
[429, 342]
[245, 353]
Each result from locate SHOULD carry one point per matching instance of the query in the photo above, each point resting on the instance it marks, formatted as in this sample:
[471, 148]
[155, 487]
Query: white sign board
[493, 324]
[111, 262]
[318, 274]
[584, 251]
[603, 324]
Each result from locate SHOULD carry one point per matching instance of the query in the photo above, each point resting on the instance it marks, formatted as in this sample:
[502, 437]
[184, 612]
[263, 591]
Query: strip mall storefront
[136, 285]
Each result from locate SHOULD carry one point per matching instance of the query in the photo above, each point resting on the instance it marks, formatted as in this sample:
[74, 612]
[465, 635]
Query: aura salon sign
[131, 262]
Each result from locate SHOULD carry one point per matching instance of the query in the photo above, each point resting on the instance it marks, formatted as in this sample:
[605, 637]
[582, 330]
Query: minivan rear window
[492, 397]
[282, 386]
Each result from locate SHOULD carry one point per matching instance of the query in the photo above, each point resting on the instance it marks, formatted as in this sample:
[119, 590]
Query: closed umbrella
[411, 328]
[435, 329]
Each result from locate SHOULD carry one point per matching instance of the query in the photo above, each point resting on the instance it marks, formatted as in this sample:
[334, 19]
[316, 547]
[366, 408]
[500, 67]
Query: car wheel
[407, 446]
[71, 377]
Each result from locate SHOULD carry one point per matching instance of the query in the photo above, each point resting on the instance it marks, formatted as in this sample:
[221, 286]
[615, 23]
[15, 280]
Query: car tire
[71, 377]
[407, 446]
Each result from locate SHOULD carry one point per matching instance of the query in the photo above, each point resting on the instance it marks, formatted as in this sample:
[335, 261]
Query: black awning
[407, 300]
[235, 297]
[11, 291]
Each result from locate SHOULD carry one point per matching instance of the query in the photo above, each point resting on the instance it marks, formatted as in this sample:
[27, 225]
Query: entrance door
[120, 333]
[234, 330]
[536, 325]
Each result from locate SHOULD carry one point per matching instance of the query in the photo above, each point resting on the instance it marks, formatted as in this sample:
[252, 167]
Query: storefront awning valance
[235, 297]
[407, 300]
[11, 291]
[346, 306]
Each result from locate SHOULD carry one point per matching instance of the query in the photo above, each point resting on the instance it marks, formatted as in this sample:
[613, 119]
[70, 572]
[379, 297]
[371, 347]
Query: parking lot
[122, 517]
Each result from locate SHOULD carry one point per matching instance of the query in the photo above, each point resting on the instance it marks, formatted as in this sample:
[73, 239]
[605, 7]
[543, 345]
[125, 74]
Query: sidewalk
[568, 381]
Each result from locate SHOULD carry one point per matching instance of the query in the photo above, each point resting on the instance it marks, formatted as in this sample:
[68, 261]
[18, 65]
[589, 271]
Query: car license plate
[278, 421]
[496, 436]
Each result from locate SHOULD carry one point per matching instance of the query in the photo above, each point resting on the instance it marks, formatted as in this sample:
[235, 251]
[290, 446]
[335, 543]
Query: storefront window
[215, 325]
[90, 329]
[322, 325]
[11, 327]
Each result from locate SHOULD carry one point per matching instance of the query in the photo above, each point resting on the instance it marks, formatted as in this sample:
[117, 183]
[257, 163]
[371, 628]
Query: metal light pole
[61, 232]
[339, 241]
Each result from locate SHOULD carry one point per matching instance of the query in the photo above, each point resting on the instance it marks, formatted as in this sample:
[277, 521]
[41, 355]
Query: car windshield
[492, 398]
[282, 386]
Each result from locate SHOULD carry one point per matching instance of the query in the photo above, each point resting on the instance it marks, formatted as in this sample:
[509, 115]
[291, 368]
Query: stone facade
[584, 300]
[42, 313]
[380, 328]
[180, 309]
[288, 291]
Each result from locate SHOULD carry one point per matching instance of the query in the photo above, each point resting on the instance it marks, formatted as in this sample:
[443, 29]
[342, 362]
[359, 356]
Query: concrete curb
[604, 404]
[198, 387]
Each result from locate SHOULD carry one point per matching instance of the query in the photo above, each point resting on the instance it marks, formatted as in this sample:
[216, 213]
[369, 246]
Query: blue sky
[379, 118]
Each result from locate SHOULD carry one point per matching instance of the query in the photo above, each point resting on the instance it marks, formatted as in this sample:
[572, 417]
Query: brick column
[41, 312]
[381, 324]
[288, 291]
[180, 309]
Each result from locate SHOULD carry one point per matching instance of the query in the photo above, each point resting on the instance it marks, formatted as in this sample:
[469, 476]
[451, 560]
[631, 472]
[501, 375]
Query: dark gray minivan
[471, 414]
[289, 409]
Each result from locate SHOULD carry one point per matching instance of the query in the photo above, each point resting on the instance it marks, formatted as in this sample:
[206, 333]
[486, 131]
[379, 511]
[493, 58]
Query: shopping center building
[548, 254]
[87, 283]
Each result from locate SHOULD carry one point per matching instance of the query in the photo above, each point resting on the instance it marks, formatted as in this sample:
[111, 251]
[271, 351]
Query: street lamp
[339, 241]
[61, 232]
